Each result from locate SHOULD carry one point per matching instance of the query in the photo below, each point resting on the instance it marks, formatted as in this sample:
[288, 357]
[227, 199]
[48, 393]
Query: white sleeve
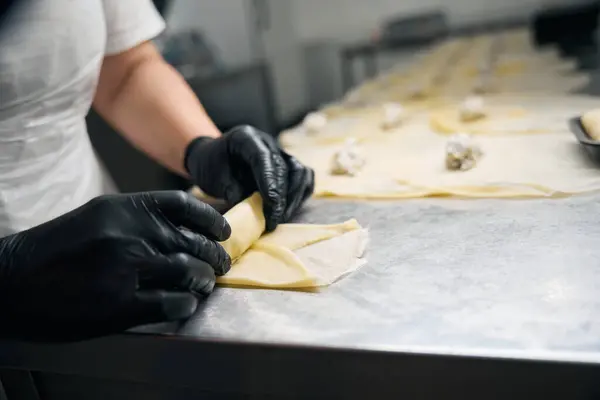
[129, 23]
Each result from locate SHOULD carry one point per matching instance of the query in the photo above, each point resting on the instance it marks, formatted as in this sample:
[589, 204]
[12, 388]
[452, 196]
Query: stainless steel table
[484, 278]
[482, 299]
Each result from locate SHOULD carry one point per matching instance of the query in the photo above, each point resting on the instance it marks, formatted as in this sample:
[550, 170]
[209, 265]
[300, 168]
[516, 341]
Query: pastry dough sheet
[411, 165]
[514, 115]
[499, 64]
[361, 124]
[527, 148]
[294, 256]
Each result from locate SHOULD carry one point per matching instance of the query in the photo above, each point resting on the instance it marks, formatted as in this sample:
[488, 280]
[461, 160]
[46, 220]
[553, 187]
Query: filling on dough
[348, 160]
[314, 122]
[472, 109]
[591, 123]
[462, 153]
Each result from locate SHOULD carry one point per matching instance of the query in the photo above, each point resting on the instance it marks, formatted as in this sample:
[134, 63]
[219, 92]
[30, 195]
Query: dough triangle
[270, 261]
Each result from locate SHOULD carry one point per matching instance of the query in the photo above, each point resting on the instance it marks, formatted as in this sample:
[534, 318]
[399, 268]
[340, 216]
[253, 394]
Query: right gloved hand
[245, 160]
[112, 264]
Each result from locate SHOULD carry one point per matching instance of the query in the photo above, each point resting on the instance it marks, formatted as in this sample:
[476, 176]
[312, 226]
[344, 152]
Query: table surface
[484, 298]
[517, 279]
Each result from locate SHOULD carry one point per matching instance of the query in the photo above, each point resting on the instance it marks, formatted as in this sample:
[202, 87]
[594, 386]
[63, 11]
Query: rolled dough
[289, 257]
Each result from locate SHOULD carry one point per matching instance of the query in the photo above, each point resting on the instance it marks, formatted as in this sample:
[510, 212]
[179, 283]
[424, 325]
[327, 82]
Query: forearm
[156, 110]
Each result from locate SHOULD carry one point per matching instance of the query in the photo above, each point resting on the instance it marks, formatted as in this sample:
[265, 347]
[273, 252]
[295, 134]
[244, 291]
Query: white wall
[227, 23]
[285, 57]
[224, 22]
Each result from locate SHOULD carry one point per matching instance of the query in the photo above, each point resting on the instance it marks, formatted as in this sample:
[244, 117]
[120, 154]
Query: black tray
[591, 146]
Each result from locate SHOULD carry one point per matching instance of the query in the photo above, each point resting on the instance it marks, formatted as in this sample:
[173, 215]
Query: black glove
[245, 160]
[114, 263]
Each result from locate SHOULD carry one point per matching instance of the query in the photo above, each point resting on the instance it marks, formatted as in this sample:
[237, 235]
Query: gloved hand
[245, 160]
[114, 263]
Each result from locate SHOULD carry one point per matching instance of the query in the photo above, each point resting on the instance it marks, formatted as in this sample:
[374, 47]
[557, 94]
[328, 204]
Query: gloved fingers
[204, 249]
[268, 169]
[169, 240]
[308, 183]
[300, 185]
[274, 206]
[235, 193]
[295, 193]
[269, 141]
[279, 159]
[154, 306]
[270, 177]
[310, 188]
[183, 209]
[180, 272]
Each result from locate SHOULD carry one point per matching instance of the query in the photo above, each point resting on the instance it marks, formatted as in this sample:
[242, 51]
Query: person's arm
[151, 105]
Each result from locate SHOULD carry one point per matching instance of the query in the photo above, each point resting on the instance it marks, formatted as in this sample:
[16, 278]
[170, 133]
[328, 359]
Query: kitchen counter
[500, 295]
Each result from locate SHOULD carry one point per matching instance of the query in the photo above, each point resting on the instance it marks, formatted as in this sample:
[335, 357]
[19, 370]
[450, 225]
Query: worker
[74, 261]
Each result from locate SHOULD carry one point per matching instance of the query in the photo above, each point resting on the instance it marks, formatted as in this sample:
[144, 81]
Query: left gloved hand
[112, 264]
[245, 160]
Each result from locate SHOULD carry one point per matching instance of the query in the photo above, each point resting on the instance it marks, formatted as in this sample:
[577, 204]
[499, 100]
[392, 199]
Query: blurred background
[269, 62]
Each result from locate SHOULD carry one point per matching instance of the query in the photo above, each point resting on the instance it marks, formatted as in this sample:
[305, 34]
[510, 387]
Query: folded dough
[247, 223]
[270, 260]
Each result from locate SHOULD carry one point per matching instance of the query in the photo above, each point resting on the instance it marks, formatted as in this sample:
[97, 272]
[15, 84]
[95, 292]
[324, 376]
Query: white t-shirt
[50, 58]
